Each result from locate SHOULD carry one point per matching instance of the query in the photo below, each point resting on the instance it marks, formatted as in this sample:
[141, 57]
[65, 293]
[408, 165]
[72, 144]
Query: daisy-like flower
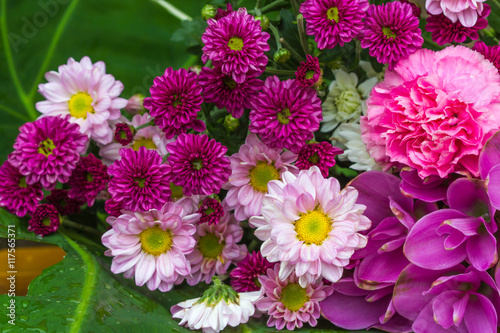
[47, 150]
[288, 303]
[236, 44]
[64, 204]
[285, 115]
[465, 11]
[333, 22]
[245, 277]
[309, 73]
[252, 168]
[211, 211]
[346, 100]
[152, 246]
[320, 154]
[88, 179]
[85, 92]
[310, 226]
[123, 134]
[16, 195]
[350, 136]
[492, 53]
[140, 180]
[216, 248]
[45, 220]
[391, 32]
[219, 307]
[175, 102]
[221, 89]
[198, 164]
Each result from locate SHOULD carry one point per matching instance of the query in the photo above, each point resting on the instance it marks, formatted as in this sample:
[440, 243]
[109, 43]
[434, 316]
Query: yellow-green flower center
[155, 240]
[388, 33]
[90, 178]
[235, 44]
[293, 296]
[209, 211]
[314, 158]
[197, 163]
[80, 104]
[22, 182]
[210, 246]
[310, 74]
[46, 147]
[176, 191]
[313, 227]
[143, 142]
[262, 174]
[333, 14]
[141, 182]
[229, 82]
[46, 221]
[283, 116]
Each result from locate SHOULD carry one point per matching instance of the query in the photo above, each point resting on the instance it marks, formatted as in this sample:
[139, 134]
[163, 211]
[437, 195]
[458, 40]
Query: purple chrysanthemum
[88, 179]
[285, 115]
[492, 53]
[211, 211]
[64, 204]
[221, 89]
[123, 135]
[321, 154]
[113, 208]
[140, 180]
[391, 32]
[47, 150]
[309, 73]
[415, 9]
[236, 43]
[45, 220]
[444, 31]
[16, 195]
[245, 277]
[198, 164]
[333, 22]
[175, 102]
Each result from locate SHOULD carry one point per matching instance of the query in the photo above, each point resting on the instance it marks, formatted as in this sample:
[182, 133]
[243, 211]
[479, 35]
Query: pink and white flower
[465, 11]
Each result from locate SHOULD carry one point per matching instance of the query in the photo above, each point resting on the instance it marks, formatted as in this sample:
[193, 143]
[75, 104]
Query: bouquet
[319, 165]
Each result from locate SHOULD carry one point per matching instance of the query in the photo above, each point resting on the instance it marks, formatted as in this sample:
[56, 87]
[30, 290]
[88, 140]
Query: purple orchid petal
[480, 315]
[388, 229]
[442, 307]
[454, 240]
[376, 295]
[347, 287]
[466, 225]
[430, 190]
[490, 155]
[425, 323]
[468, 196]
[493, 186]
[422, 208]
[482, 250]
[403, 216]
[381, 268]
[396, 323]
[392, 245]
[470, 280]
[459, 308]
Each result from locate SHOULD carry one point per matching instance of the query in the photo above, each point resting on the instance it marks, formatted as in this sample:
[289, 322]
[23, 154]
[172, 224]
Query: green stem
[273, 5]
[151, 123]
[302, 34]
[14, 113]
[279, 71]
[276, 35]
[174, 10]
[294, 53]
[80, 227]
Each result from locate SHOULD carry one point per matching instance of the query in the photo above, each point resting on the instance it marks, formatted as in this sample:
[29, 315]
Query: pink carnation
[465, 11]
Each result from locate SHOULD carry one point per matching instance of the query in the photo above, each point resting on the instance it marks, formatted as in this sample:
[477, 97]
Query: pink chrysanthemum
[310, 226]
[216, 248]
[16, 195]
[47, 150]
[152, 246]
[288, 303]
[45, 220]
[88, 179]
[285, 115]
[85, 92]
[465, 11]
[113, 208]
[252, 168]
[64, 204]
[140, 180]
[245, 277]
[434, 114]
[211, 211]
[198, 164]
[123, 135]
[222, 90]
[333, 22]
[492, 53]
[391, 32]
[309, 73]
[175, 102]
[236, 44]
[444, 31]
[321, 154]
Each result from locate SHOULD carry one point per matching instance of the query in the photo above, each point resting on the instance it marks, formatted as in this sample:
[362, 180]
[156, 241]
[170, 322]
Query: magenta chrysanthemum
[152, 246]
[415, 8]
[321, 154]
[288, 303]
[236, 44]
[444, 31]
[222, 90]
[211, 211]
[85, 92]
[15, 194]
[391, 32]
[175, 102]
[198, 164]
[223, 12]
[252, 168]
[309, 73]
[245, 277]
[45, 220]
[492, 53]
[64, 204]
[140, 180]
[285, 115]
[333, 22]
[88, 179]
[47, 150]
[123, 135]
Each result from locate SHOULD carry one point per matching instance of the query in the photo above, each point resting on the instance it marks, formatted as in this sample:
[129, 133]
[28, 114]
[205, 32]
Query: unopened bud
[208, 12]
[282, 56]
[231, 123]
[264, 21]
[134, 105]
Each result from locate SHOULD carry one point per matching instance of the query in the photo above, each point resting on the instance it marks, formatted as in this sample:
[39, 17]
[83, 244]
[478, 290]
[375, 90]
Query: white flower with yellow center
[310, 226]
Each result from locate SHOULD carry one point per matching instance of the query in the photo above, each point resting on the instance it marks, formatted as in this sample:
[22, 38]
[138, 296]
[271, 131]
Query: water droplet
[70, 319]
[25, 304]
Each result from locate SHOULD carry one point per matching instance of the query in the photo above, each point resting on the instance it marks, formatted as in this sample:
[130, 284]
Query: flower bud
[282, 56]
[264, 21]
[134, 105]
[231, 123]
[208, 12]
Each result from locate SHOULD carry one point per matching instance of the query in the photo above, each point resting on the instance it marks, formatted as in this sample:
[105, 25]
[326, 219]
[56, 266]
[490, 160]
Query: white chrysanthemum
[355, 151]
[345, 100]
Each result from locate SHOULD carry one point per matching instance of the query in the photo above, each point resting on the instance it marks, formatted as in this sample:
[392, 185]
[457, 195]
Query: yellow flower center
[46, 221]
[293, 296]
[388, 33]
[314, 158]
[143, 142]
[235, 44]
[229, 82]
[80, 104]
[333, 14]
[197, 163]
[210, 246]
[46, 147]
[176, 191]
[140, 182]
[283, 116]
[22, 182]
[155, 240]
[89, 177]
[313, 227]
[310, 74]
[262, 174]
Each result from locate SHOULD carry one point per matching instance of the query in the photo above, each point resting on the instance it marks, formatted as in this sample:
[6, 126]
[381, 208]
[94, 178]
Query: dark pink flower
[123, 135]
[245, 277]
[492, 53]
[113, 208]
[88, 179]
[309, 73]
[64, 204]
[223, 13]
[415, 8]
[45, 220]
[211, 211]
[321, 154]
